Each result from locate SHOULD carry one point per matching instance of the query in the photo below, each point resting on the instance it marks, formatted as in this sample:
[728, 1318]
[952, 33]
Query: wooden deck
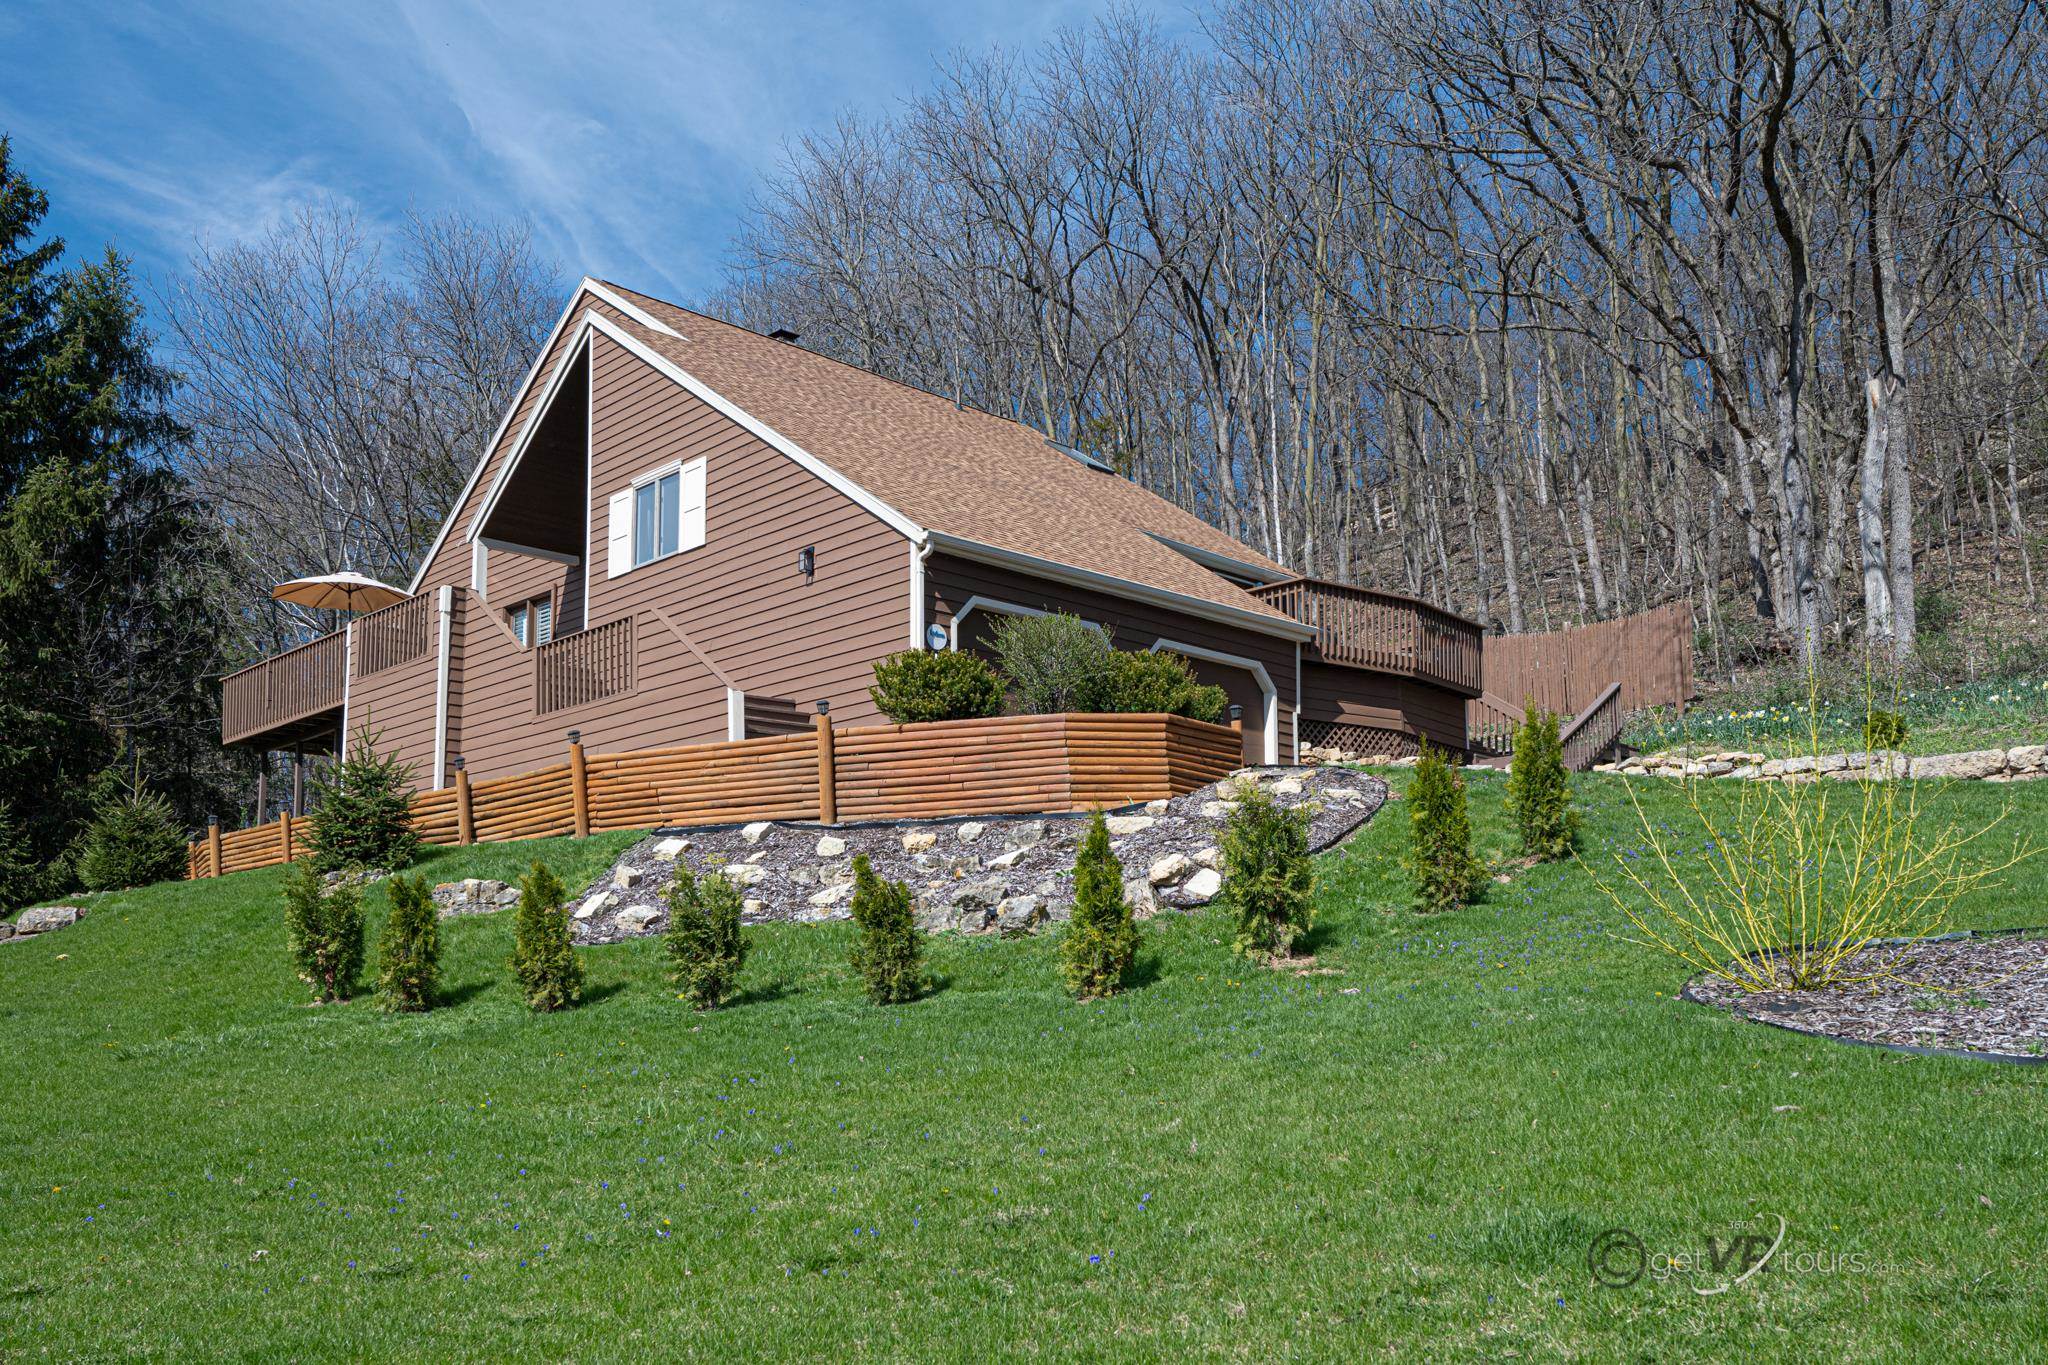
[1382, 631]
[289, 697]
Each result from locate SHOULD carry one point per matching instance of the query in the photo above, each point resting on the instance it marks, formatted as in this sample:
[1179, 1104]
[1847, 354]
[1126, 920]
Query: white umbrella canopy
[343, 591]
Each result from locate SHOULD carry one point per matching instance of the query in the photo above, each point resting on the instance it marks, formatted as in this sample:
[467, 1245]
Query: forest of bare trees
[1545, 309]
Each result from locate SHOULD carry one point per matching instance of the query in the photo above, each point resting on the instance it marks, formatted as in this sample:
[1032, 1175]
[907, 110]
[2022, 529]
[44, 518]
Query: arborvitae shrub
[1540, 791]
[1440, 856]
[1101, 939]
[1884, 730]
[1268, 881]
[936, 684]
[889, 951]
[324, 927]
[705, 944]
[409, 955]
[1056, 662]
[134, 839]
[1160, 680]
[363, 811]
[542, 957]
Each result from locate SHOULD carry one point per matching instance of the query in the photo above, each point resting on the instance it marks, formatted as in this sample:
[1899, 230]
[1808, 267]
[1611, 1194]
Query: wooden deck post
[263, 787]
[298, 779]
[465, 818]
[579, 785]
[213, 845]
[284, 833]
[828, 779]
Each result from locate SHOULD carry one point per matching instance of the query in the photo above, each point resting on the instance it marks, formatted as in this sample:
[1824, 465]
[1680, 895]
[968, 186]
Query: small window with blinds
[533, 621]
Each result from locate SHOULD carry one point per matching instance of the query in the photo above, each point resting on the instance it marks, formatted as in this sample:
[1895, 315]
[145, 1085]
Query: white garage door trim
[1259, 674]
[1002, 608]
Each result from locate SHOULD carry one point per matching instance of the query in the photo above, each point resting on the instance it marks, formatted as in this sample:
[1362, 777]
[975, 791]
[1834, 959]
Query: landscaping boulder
[473, 896]
[43, 918]
[1978, 763]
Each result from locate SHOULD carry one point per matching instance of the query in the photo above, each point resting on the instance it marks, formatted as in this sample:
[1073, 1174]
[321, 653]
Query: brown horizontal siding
[740, 596]
[395, 705]
[951, 581]
[1402, 709]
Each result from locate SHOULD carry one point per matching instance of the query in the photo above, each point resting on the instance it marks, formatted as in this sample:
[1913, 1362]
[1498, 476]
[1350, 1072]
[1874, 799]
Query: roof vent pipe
[783, 334]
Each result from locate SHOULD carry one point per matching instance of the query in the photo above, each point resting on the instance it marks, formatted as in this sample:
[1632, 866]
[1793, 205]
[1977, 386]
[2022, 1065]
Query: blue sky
[629, 134]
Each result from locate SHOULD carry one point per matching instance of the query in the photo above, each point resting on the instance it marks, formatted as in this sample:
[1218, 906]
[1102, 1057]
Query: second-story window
[661, 514]
[533, 621]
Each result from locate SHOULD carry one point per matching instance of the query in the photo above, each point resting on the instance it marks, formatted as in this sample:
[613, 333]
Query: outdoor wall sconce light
[807, 560]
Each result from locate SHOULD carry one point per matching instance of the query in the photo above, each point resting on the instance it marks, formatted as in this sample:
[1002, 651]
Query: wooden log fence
[999, 765]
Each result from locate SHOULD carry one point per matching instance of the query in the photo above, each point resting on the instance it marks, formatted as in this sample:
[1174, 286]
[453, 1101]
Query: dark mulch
[1984, 994]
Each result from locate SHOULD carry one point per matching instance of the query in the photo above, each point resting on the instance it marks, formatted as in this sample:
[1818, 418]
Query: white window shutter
[619, 534]
[693, 505]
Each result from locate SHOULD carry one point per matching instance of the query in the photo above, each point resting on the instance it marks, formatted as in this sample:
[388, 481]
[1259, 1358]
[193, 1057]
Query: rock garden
[999, 874]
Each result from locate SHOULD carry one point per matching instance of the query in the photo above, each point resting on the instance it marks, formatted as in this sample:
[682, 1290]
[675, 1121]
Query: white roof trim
[570, 355]
[1259, 622]
[490, 446]
[1209, 559]
[631, 310]
[882, 511]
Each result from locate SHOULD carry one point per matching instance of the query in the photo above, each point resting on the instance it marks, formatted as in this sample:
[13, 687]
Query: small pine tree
[1540, 791]
[134, 839]
[410, 952]
[362, 815]
[542, 957]
[1268, 881]
[1101, 940]
[1446, 874]
[1884, 730]
[705, 944]
[324, 926]
[889, 951]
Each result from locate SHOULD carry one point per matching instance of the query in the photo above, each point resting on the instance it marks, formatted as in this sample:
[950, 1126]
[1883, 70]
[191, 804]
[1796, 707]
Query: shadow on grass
[761, 995]
[1146, 970]
[451, 996]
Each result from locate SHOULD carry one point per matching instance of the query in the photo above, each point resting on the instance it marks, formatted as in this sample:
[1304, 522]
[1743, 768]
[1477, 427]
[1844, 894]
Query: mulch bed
[1975, 994]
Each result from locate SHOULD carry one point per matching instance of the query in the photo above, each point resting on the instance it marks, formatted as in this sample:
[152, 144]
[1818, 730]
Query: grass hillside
[1410, 1149]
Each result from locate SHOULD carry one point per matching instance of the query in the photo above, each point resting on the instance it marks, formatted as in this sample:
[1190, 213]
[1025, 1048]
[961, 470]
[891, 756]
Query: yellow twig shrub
[1783, 883]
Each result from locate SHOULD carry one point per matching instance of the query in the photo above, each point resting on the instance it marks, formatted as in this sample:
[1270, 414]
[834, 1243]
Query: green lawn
[1410, 1154]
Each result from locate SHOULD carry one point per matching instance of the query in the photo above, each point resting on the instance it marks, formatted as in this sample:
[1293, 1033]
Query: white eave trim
[588, 286]
[1257, 622]
[1222, 564]
[512, 547]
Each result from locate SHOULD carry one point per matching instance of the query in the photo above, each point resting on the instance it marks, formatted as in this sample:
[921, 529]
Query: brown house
[685, 531]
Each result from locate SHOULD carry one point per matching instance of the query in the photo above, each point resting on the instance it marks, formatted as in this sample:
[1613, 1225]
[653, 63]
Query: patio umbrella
[344, 591]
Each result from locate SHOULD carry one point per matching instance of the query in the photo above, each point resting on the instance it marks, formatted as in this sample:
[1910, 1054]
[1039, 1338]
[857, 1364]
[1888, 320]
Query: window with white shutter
[660, 515]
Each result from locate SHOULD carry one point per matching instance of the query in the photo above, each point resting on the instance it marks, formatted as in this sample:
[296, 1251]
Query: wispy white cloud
[630, 134]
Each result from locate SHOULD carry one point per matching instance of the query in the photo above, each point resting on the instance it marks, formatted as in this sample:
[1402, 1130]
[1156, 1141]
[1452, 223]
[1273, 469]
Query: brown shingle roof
[957, 471]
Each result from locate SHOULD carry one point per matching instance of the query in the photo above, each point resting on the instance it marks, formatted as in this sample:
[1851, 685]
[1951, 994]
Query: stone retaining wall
[2022, 764]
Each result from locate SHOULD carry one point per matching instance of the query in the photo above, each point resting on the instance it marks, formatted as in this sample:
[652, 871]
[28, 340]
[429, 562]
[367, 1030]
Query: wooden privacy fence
[1649, 654]
[999, 765]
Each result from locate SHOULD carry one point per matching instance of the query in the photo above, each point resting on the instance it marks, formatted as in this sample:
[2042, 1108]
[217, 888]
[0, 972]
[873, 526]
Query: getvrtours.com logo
[1617, 1258]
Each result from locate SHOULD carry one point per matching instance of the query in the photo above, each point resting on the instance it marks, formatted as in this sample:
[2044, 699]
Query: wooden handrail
[1593, 731]
[301, 682]
[1490, 722]
[394, 635]
[1382, 631]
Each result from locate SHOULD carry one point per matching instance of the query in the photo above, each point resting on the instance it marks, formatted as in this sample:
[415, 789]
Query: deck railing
[1593, 731]
[1382, 631]
[395, 635]
[588, 666]
[292, 686]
